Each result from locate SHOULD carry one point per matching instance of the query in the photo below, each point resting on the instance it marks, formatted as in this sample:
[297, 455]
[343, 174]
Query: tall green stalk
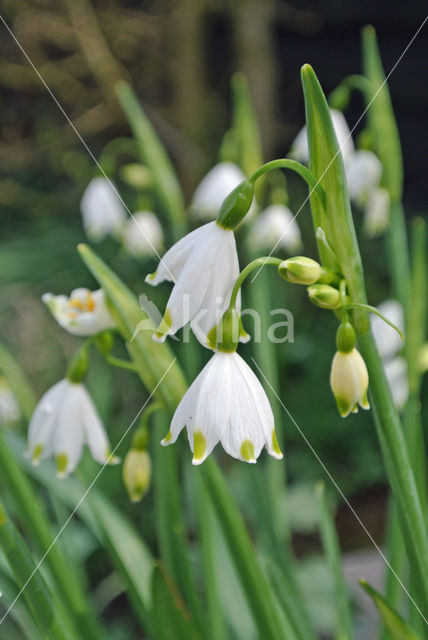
[326, 164]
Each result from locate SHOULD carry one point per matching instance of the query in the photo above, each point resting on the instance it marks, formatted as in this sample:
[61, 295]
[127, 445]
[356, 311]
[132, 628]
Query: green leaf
[153, 154]
[332, 549]
[397, 627]
[245, 126]
[17, 381]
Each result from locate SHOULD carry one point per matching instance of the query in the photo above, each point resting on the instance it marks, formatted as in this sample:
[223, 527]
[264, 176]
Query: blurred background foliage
[179, 57]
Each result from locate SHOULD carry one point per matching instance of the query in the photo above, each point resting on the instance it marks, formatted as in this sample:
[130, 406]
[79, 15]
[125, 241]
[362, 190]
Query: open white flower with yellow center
[349, 379]
[64, 420]
[226, 403]
[213, 189]
[300, 147]
[275, 226]
[203, 266]
[142, 235]
[102, 209]
[389, 343]
[83, 313]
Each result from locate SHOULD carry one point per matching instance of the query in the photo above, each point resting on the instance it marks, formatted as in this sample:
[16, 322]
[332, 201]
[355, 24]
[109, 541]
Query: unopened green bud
[136, 176]
[104, 342]
[300, 270]
[345, 337]
[137, 473]
[236, 205]
[225, 336]
[324, 296]
[79, 365]
[339, 98]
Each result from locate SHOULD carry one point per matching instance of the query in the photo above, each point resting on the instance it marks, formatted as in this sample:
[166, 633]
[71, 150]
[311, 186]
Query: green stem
[370, 309]
[60, 567]
[300, 169]
[254, 264]
[332, 549]
[119, 362]
[47, 613]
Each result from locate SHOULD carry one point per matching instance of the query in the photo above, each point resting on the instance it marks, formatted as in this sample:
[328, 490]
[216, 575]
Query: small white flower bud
[137, 473]
[300, 270]
[349, 381]
[142, 235]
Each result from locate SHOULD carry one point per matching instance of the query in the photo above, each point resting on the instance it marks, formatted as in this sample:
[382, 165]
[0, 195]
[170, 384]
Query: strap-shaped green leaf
[397, 627]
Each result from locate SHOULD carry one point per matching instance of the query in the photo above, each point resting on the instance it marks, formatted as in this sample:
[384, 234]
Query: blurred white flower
[9, 407]
[363, 174]
[389, 343]
[376, 219]
[275, 226]
[102, 210]
[226, 403]
[64, 419]
[387, 340]
[349, 382]
[213, 189]
[300, 148]
[84, 313]
[203, 266]
[142, 235]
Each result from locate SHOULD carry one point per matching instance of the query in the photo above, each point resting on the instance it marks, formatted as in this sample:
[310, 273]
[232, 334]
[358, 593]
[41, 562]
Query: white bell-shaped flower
[102, 210]
[64, 420]
[9, 407]
[363, 174]
[376, 219]
[83, 313]
[142, 234]
[275, 226]
[300, 147]
[204, 267]
[226, 403]
[213, 189]
[349, 381]
[387, 339]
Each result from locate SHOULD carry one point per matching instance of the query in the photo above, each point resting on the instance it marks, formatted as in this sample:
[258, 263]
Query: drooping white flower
[300, 147]
[275, 226]
[363, 174]
[349, 381]
[9, 407]
[389, 343]
[102, 210]
[203, 266]
[226, 403]
[64, 420]
[142, 234]
[137, 471]
[83, 313]
[387, 340]
[396, 373]
[376, 219]
[213, 189]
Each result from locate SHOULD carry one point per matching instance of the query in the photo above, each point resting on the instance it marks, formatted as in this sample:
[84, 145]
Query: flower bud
[324, 296]
[345, 337]
[349, 382]
[236, 205]
[300, 270]
[79, 365]
[137, 473]
[136, 176]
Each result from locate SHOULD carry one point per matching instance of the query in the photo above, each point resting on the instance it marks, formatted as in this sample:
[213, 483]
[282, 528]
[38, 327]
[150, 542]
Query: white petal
[344, 382]
[175, 258]
[363, 174]
[300, 149]
[68, 436]
[214, 188]
[396, 372]
[376, 219]
[142, 234]
[275, 226]
[94, 432]
[43, 421]
[102, 209]
[84, 313]
[213, 406]
[387, 339]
